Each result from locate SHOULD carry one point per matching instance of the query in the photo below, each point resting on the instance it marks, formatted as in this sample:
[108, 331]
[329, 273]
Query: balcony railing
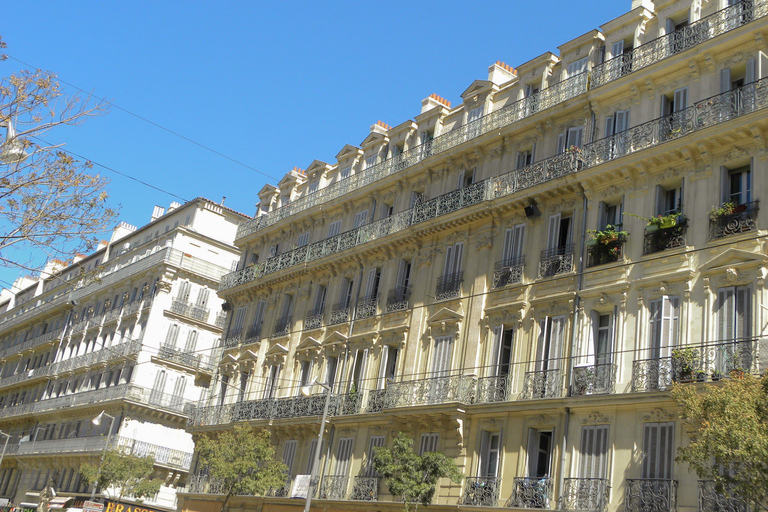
[162, 454]
[366, 307]
[531, 492]
[314, 319]
[334, 487]
[694, 364]
[435, 390]
[584, 494]
[605, 252]
[482, 491]
[376, 400]
[233, 337]
[397, 298]
[339, 313]
[662, 239]
[449, 286]
[177, 355]
[650, 495]
[493, 389]
[49, 337]
[273, 408]
[221, 319]
[282, 326]
[126, 349]
[596, 379]
[543, 384]
[365, 488]
[253, 334]
[508, 272]
[742, 220]
[712, 501]
[702, 114]
[723, 21]
[190, 310]
[558, 260]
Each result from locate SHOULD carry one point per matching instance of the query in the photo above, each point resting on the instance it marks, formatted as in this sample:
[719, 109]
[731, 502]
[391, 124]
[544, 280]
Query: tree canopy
[123, 475]
[241, 461]
[728, 429]
[412, 477]
[51, 205]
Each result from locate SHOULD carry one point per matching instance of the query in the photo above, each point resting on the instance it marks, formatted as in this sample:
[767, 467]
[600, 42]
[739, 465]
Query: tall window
[334, 228]
[359, 369]
[345, 173]
[664, 326]
[303, 239]
[331, 365]
[540, 449]
[594, 452]
[289, 455]
[372, 286]
[501, 357]
[361, 218]
[344, 455]
[441, 356]
[577, 67]
[572, 138]
[550, 344]
[658, 450]
[525, 158]
[559, 232]
[734, 313]
[388, 365]
[737, 185]
[429, 442]
[273, 375]
[375, 442]
[513, 243]
[453, 259]
[490, 454]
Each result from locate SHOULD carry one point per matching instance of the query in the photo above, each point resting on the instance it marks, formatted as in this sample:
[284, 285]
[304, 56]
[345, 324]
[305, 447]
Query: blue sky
[270, 84]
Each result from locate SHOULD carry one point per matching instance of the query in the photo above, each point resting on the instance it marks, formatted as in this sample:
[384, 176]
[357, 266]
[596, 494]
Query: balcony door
[734, 329]
[453, 259]
[658, 450]
[490, 454]
[550, 344]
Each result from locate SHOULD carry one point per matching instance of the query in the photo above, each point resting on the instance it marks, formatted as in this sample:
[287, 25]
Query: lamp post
[11, 151]
[97, 421]
[5, 445]
[316, 461]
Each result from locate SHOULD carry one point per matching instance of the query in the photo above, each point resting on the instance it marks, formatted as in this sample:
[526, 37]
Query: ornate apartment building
[516, 281]
[129, 330]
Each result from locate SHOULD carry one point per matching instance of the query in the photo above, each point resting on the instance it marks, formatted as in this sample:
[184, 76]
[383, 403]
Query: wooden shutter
[375, 442]
[681, 99]
[594, 451]
[498, 336]
[622, 121]
[557, 336]
[173, 334]
[617, 48]
[609, 126]
[179, 387]
[159, 385]
[184, 290]
[561, 143]
[742, 321]
[343, 456]
[725, 80]
[289, 454]
[749, 77]
[658, 453]
[383, 367]
[458, 254]
[191, 344]
[202, 297]
[259, 315]
[320, 297]
[429, 442]
[544, 326]
[553, 233]
[239, 318]
[441, 358]
[312, 450]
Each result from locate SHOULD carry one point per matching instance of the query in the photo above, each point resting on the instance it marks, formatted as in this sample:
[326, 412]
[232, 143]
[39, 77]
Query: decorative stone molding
[596, 418]
[735, 154]
[427, 255]
[485, 242]
[658, 415]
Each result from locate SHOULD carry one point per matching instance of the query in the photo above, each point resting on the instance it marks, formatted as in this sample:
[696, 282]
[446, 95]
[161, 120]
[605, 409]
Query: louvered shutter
[742, 309]
[681, 99]
[441, 362]
[561, 143]
[509, 235]
[749, 77]
[609, 126]
[184, 290]
[172, 336]
[375, 442]
[289, 454]
[202, 297]
[594, 451]
[383, 367]
[457, 257]
[725, 80]
[553, 233]
[429, 442]
[557, 335]
[343, 456]
[540, 345]
[658, 441]
[191, 344]
[312, 450]
[498, 336]
[617, 48]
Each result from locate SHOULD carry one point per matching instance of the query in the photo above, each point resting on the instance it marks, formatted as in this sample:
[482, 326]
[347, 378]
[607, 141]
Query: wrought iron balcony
[190, 310]
[221, 319]
[584, 494]
[366, 307]
[558, 260]
[605, 252]
[334, 487]
[435, 390]
[397, 298]
[203, 484]
[233, 337]
[162, 455]
[662, 239]
[742, 220]
[253, 334]
[314, 319]
[365, 488]
[723, 21]
[702, 114]
[339, 313]
[376, 400]
[493, 389]
[282, 326]
[482, 491]
[531, 492]
[712, 501]
[650, 495]
[596, 379]
[652, 374]
[508, 272]
[543, 384]
[449, 286]
[192, 360]
[49, 337]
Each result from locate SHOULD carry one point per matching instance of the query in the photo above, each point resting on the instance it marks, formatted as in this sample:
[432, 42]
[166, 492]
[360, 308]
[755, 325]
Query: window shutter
[441, 362]
[173, 334]
[159, 386]
[681, 99]
[517, 245]
[508, 244]
[457, 257]
[498, 335]
[540, 345]
[460, 181]
[622, 121]
[448, 260]
[289, 455]
[670, 26]
[556, 340]
[594, 451]
[376, 442]
[742, 319]
[259, 316]
[561, 143]
[483, 459]
[762, 66]
[665, 106]
[191, 344]
[725, 80]
[749, 77]
[343, 456]
[178, 388]
[609, 126]
[383, 367]
[617, 48]
[184, 291]
[239, 318]
[553, 234]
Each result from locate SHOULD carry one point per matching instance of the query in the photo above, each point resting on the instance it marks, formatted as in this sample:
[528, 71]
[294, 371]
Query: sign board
[3, 502]
[300, 486]
[92, 506]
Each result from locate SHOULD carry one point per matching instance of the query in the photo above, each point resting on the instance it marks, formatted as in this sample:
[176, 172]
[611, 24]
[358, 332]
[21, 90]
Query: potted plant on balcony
[684, 364]
[725, 209]
[667, 221]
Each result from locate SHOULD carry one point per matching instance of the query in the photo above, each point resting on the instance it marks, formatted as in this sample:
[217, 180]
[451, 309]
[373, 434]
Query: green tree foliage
[728, 429]
[242, 461]
[51, 205]
[123, 475]
[412, 477]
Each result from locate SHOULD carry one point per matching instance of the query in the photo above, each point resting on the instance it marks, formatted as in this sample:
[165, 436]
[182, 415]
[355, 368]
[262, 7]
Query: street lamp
[306, 390]
[97, 421]
[7, 437]
[11, 151]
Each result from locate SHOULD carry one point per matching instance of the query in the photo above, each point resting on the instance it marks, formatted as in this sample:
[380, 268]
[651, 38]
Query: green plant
[684, 362]
[724, 209]
[608, 235]
[669, 220]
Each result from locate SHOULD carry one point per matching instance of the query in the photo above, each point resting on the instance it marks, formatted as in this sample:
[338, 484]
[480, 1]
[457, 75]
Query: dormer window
[371, 161]
[475, 114]
[313, 186]
[577, 67]
[345, 172]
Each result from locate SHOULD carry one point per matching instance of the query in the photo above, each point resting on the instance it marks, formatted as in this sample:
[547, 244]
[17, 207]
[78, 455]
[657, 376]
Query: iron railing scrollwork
[435, 390]
[508, 272]
[376, 399]
[366, 307]
[253, 334]
[650, 495]
[482, 491]
[282, 326]
[365, 488]
[742, 220]
[531, 492]
[595, 379]
[555, 261]
[664, 238]
[543, 384]
[397, 298]
[449, 286]
[710, 500]
[314, 319]
[493, 389]
[340, 313]
[584, 494]
[602, 253]
[334, 487]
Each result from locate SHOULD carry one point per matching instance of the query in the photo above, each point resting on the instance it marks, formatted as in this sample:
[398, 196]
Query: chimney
[157, 213]
[173, 206]
[648, 4]
[500, 73]
[434, 101]
[223, 198]
[121, 230]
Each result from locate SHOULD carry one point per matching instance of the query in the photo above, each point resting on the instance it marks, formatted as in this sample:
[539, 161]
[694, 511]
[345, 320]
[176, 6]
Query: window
[258, 318]
[285, 200]
[525, 158]
[312, 455]
[474, 128]
[594, 458]
[577, 67]
[158, 388]
[539, 453]
[345, 293]
[172, 335]
[737, 185]
[610, 215]
[615, 125]
[303, 239]
[550, 344]
[513, 245]
[178, 391]
[671, 108]
[677, 42]
[372, 287]
[343, 456]
[313, 186]
[441, 356]
[359, 369]
[387, 210]
[416, 198]
[191, 344]
[388, 365]
[334, 228]
[490, 454]
[270, 387]
[501, 357]
[306, 373]
[331, 365]
[559, 232]
[664, 329]
[603, 328]
[475, 114]
[453, 259]
[237, 325]
[658, 452]
[361, 218]
[345, 172]
[274, 250]
[669, 200]
[429, 442]
[375, 442]
[371, 161]
[320, 299]
[289, 455]
[465, 179]
[404, 273]
[530, 93]
[202, 297]
[184, 289]
[734, 313]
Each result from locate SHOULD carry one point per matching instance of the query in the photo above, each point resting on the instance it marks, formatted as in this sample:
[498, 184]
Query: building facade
[129, 330]
[517, 280]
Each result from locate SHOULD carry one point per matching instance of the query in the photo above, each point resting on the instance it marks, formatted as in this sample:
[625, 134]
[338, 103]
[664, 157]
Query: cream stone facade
[129, 330]
[444, 280]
